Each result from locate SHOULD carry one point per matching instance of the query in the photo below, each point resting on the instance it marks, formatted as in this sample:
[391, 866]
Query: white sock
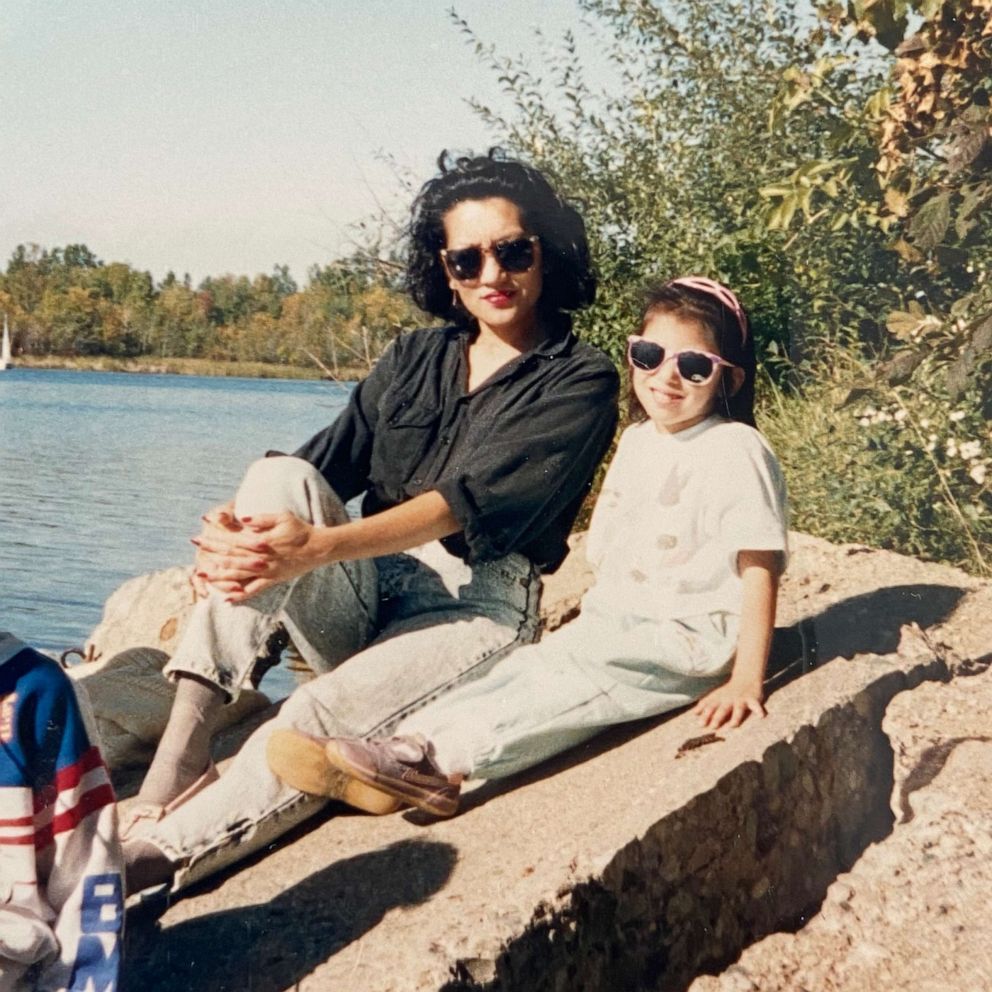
[184, 751]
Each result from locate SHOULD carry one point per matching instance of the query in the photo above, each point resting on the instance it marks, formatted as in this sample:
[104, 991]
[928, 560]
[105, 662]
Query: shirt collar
[683, 436]
[560, 337]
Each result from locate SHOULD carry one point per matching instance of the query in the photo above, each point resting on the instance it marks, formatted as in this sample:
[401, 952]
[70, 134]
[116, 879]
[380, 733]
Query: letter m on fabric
[98, 951]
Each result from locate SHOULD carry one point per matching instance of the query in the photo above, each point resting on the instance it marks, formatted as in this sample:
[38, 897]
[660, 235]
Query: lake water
[104, 476]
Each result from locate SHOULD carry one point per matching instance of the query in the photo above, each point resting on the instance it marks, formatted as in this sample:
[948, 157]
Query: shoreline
[187, 366]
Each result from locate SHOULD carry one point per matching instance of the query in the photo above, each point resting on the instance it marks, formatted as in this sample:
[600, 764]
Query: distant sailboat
[5, 362]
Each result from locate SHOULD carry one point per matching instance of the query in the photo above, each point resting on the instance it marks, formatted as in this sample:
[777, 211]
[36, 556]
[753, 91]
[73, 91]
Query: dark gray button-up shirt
[513, 458]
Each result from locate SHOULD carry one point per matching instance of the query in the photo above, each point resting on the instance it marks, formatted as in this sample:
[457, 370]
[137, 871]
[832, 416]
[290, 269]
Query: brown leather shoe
[402, 766]
[302, 762]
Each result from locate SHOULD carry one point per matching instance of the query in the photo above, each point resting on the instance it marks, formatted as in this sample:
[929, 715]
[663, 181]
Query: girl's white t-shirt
[673, 513]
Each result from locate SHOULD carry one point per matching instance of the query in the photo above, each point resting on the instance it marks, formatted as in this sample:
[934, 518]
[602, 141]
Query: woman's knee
[284, 482]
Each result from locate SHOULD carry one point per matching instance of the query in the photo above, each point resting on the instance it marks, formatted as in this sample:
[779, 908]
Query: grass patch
[881, 475]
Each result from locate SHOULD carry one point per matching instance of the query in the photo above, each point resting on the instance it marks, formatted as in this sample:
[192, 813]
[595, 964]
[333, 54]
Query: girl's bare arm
[743, 694]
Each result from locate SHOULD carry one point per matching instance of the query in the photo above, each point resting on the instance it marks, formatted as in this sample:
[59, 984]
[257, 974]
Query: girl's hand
[743, 693]
[731, 703]
[271, 548]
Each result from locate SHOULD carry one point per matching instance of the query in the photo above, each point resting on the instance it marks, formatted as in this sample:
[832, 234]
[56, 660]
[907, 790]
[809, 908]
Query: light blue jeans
[597, 671]
[388, 636]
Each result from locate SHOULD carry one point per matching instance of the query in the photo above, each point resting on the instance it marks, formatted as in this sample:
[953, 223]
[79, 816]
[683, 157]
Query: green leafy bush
[915, 474]
[668, 164]
[896, 466]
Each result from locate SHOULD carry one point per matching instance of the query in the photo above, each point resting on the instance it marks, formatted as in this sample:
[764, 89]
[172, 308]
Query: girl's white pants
[592, 673]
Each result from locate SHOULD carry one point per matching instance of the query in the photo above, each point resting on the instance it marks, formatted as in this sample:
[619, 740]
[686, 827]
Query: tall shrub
[669, 161]
[922, 410]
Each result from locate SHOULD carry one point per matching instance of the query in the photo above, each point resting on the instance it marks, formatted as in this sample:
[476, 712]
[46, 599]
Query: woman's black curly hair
[732, 343]
[569, 282]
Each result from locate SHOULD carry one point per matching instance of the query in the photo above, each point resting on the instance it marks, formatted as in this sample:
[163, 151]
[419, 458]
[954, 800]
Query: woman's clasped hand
[244, 557]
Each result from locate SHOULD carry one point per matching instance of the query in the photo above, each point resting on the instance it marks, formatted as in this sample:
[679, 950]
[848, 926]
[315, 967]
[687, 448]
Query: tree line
[66, 301]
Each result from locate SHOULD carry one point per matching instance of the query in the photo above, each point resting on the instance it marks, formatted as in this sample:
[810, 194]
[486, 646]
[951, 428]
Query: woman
[474, 445]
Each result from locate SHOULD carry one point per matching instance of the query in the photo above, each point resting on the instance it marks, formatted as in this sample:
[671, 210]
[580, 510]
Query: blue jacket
[61, 890]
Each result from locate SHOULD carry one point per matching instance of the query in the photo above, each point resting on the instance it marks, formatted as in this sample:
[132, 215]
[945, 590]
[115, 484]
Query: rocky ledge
[840, 843]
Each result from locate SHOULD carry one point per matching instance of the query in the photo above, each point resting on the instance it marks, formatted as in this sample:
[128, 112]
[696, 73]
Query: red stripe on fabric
[102, 795]
[68, 778]
[18, 821]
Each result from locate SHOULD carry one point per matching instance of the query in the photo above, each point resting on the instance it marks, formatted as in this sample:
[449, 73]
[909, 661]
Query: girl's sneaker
[404, 767]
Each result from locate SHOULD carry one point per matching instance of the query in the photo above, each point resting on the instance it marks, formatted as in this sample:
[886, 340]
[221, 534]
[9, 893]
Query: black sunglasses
[695, 367]
[516, 255]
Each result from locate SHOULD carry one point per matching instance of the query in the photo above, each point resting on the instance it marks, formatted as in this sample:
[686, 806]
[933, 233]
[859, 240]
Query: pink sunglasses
[695, 367]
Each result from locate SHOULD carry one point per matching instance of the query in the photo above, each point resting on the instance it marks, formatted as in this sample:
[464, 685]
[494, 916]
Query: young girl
[687, 541]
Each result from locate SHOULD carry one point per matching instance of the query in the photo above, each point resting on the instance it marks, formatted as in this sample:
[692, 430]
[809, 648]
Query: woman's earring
[454, 300]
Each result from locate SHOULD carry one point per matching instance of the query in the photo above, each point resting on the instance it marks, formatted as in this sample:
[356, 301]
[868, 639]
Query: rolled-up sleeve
[532, 462]
[342, 451]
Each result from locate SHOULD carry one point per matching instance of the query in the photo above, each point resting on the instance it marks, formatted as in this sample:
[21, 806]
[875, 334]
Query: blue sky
[231, 135]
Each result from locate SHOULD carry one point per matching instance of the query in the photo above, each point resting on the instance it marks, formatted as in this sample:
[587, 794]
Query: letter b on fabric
[96, 968]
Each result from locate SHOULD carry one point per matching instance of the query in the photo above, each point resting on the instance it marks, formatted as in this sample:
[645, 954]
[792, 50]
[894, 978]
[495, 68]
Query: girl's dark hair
[569, 282]
[688, 303]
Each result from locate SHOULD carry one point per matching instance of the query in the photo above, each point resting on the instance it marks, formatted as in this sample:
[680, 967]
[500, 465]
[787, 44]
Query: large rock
[149, 611]
[912, 913]
[637, 862]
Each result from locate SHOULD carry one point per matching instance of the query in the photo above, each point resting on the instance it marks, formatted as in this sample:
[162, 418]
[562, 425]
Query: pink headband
[719, 292]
